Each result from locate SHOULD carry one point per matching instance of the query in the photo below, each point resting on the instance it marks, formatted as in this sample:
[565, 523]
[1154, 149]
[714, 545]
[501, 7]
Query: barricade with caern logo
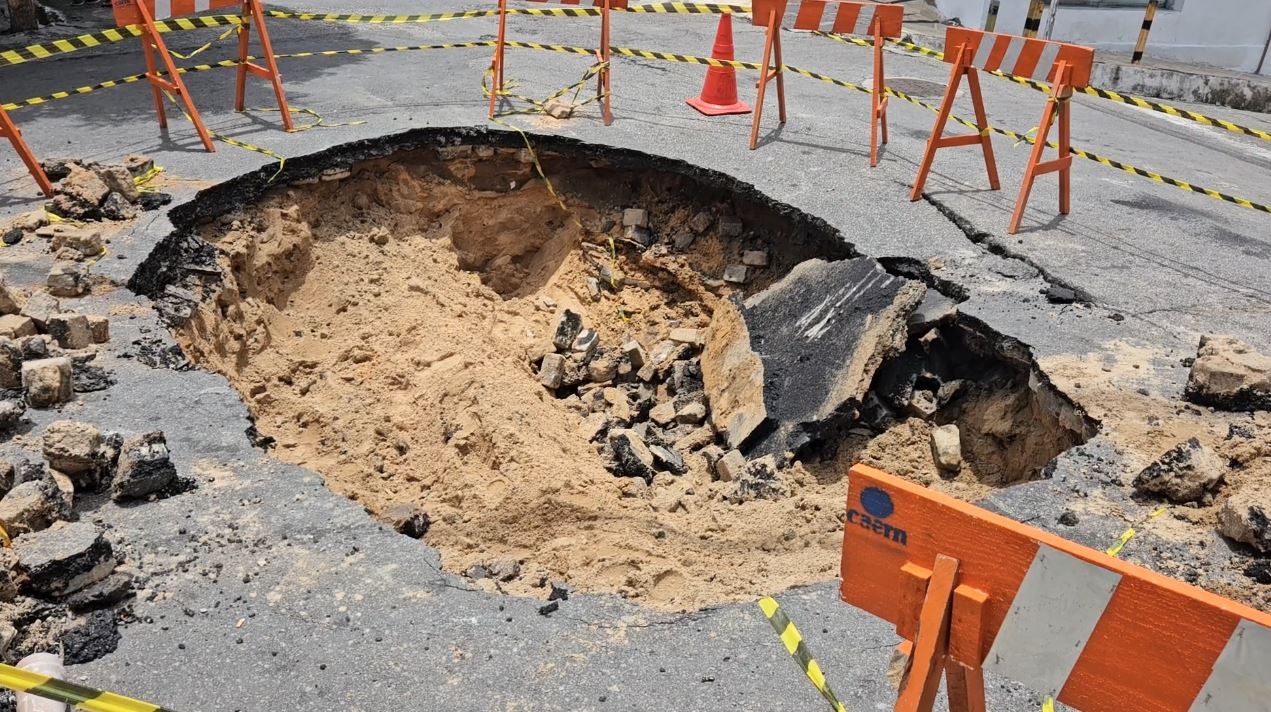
[972, 591]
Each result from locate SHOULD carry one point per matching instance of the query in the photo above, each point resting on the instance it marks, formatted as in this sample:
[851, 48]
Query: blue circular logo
[877, 502]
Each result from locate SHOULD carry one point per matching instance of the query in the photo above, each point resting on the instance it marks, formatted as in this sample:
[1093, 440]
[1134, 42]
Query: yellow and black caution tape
[78, 696]
[1118, 97]
[233, 29]
[798, 649]
[96, 39]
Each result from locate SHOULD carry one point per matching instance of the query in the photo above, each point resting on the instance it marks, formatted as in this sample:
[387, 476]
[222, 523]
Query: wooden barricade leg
[153, 45]
[878, 116]
[603, 82]
[1056, 106]
[964, 679]
[938, 140]
[930, 647]
[982, 121]
[496, 64]
[9, 130]
[252, 13]
[771, 50]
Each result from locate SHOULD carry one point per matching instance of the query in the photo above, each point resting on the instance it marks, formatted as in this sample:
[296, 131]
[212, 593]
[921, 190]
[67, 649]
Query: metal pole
[990, 23]
[1034, 19]
[1050, 19]
[1141, 45]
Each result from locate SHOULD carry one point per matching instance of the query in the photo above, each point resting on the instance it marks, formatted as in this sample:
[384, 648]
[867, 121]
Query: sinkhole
[556, 388]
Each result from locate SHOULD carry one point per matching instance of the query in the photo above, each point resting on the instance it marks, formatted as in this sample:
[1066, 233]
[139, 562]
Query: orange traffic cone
[719, 93]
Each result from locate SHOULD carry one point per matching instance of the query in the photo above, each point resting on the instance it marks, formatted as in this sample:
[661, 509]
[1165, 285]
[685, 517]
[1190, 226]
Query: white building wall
[1220, 33]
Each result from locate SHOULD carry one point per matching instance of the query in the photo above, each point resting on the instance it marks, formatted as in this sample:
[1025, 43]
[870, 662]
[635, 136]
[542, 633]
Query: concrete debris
[640, 235]
[730, 226]
[47, 381]
[568, 324]
[558, 108]
[71, 331]
[10, 415]
[693, 337]
[145, 467]
[922, 404]
[635, 353]
[409, 519]
[946, 447]
[8, 302]
[11, 358]
[701, 221]
[1230, 375]
[669, 459]
[118, 180]
[632, 456]
[64, 485]
[692, 414]
[755, 258]
[15, 326]
[11, 578]
[80, 194]
[33, 506]
[585, 344]
[1245, 516]
[729, 466]
[758, 480]
[663, 413]
[111, 590]
[602, 369]
[40, 306]
[551, 372]
[593, 289]
[802, 354]
[934, 309]
[73, 448]
[138, 165]
[84, 243]
[1186, 473]
[683, 239]
[504, 569]
[64, 558]
[735, 274]
[635, 217]
[68, 279]
[695, 439]
[98, 328]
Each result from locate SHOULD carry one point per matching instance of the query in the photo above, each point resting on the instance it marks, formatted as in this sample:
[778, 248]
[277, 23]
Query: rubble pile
[46, 353]
[62, 575]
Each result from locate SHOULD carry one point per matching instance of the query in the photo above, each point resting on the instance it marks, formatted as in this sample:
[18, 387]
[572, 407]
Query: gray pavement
[342, 614]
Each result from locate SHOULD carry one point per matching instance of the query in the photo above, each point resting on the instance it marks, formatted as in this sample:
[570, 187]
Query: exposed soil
[383, 330]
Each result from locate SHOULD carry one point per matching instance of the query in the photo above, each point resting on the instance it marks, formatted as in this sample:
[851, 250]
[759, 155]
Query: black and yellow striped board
[798, 649]
[78, 696]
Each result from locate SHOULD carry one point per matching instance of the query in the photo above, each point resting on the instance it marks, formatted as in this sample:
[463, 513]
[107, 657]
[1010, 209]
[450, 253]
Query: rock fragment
[79, 194]
[759, 480]
[693, 337]
[71, 331]
[730, 226]
[1230, 375]
[40, 307]
[99, 329]
[33, 506]
[551, 372]
[668, 458]
[735, 274]
[10, 415]
[755, 258]
[47, 381]
[8, 302]
[635, 217]
[73, 448]
[729, 467]
[633, 457]
[946, 447]
[145, 467]
[701, 221]
[67, 279]
[1245, 516]
[409, 519]
[64, 558]
[1185, 473]
[568, 324]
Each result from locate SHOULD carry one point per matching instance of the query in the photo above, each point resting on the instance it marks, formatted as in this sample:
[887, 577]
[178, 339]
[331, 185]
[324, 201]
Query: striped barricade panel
[1021, 56]
[842, 17]
[1094, 632]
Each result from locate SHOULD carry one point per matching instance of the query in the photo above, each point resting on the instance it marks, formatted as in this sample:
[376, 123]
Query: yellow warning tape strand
[1108, 94]
[234, 29]
[798, 649]
[78, 696]
[96, 39]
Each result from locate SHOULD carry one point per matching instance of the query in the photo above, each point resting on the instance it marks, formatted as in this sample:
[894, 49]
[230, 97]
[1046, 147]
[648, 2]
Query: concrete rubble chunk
[568, 324]
[642, 236]
[10, 415]
[64, 558]
[946, 447]
[88, 243]
[15, 326]
[40, 306]
[99, 328]
[619, 404]
[558, 108]
[72, 447]
[119, 180]
[922, 404]
[691, 414]
[71, 331]
[701, 221]
[1230, 375]
[735, 274]
[145, 467]
[601, 369]
[802, 354]
[758, 480]
[635, 353]
[585, 344]
[669, 459]
[695, 439]
[79, 194]
[685, 335]
[934, 309]
[663, 413]
[67, 279]
[113, 589]
[632, 455]
[551, 372]
[11, 577]
[138, 164]
[755, 258]
[408, 519]
[11, 358]
[635, 217]
[1245, 516]
[730, 466]
[1185, 473]
[47, 381]
[8, 302]
[730, 226]
[33, 506]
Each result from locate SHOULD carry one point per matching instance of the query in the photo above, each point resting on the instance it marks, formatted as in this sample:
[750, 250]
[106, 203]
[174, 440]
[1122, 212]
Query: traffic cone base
[719, 92]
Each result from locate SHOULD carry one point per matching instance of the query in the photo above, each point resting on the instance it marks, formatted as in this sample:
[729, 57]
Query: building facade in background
[1232, 34]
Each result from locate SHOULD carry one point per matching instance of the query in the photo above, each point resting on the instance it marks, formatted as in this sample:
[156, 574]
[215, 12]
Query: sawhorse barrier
[604, 87]
[973, 591]
[843, 17]
[146, 12]
[1066, 66]
[10, 130]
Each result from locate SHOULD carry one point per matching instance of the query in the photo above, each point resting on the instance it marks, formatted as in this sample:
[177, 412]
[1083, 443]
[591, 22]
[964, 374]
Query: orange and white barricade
[162, 73]
[9, 130]
[973, 591]
[604, 89]
[1065, 66]
[842, 17]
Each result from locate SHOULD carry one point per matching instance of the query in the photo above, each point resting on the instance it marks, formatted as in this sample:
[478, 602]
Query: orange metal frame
[961, 67]
[9, 130]
[604, 87]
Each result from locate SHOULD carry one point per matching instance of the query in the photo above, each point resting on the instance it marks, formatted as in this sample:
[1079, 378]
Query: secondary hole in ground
[388, 329]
